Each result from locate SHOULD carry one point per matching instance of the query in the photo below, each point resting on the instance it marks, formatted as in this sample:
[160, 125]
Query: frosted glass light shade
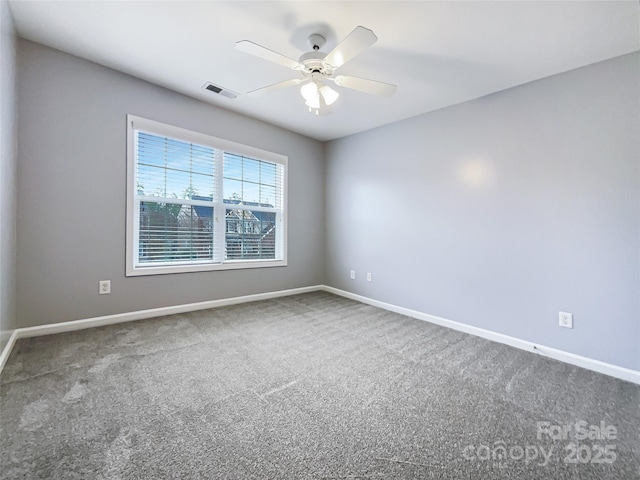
[318, 97]
[329, 94]
[309, 90]
[313, 102]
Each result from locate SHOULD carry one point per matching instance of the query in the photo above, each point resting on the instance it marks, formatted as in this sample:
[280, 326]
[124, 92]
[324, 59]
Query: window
[196, 202]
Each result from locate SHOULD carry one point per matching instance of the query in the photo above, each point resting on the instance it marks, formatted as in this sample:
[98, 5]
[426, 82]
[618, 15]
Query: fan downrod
[316, 41]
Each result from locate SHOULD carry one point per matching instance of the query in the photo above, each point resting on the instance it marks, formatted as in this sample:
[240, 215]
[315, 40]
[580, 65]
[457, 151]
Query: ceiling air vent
[219, 90]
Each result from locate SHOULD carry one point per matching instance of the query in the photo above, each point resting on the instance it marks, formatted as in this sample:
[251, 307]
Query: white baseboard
[567, 357]
[570, 358]
[140, 315]
[4, 355]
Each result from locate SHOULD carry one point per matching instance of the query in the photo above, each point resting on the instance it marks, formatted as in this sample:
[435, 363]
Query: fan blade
[364, 85]
[275, 86]
[359, 39]
[266, 54]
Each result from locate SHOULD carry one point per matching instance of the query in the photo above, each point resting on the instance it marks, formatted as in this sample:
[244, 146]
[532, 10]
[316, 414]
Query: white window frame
[135, 123]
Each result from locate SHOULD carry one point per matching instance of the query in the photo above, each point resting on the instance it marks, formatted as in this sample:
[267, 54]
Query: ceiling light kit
[317, 69]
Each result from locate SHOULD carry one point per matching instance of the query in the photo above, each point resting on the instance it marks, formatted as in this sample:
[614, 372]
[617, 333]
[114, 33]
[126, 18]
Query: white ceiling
[437, 53]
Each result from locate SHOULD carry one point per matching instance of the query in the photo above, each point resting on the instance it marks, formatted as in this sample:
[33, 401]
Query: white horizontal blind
[201, 203]
[253, 197]
[175, 192]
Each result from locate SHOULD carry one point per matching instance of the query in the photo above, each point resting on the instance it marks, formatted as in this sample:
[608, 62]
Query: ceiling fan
[317, 69]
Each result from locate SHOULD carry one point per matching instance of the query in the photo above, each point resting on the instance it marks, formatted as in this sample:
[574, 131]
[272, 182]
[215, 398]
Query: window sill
[231, 265]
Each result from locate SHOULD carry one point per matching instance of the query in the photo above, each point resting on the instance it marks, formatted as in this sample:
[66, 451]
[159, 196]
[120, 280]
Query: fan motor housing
[313, 61]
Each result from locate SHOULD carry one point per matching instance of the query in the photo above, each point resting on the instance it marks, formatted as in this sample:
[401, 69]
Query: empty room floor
[311, 386]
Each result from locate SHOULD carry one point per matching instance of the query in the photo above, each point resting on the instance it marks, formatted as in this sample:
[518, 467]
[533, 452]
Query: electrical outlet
[368, 276]
[352, 275]
[565, 319]
[105, 287]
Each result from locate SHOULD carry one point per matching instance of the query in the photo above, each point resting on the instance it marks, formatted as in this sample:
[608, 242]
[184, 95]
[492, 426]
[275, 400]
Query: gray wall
[71, 192]
[8, 162]
[496, 213]
[502, 211]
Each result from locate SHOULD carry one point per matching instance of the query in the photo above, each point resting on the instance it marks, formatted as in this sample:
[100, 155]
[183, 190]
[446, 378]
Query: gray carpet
[311, 386]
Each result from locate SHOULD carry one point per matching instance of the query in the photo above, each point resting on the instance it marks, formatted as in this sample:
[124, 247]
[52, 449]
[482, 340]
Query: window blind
[175, 188]
[200, 201]
[253, 199]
